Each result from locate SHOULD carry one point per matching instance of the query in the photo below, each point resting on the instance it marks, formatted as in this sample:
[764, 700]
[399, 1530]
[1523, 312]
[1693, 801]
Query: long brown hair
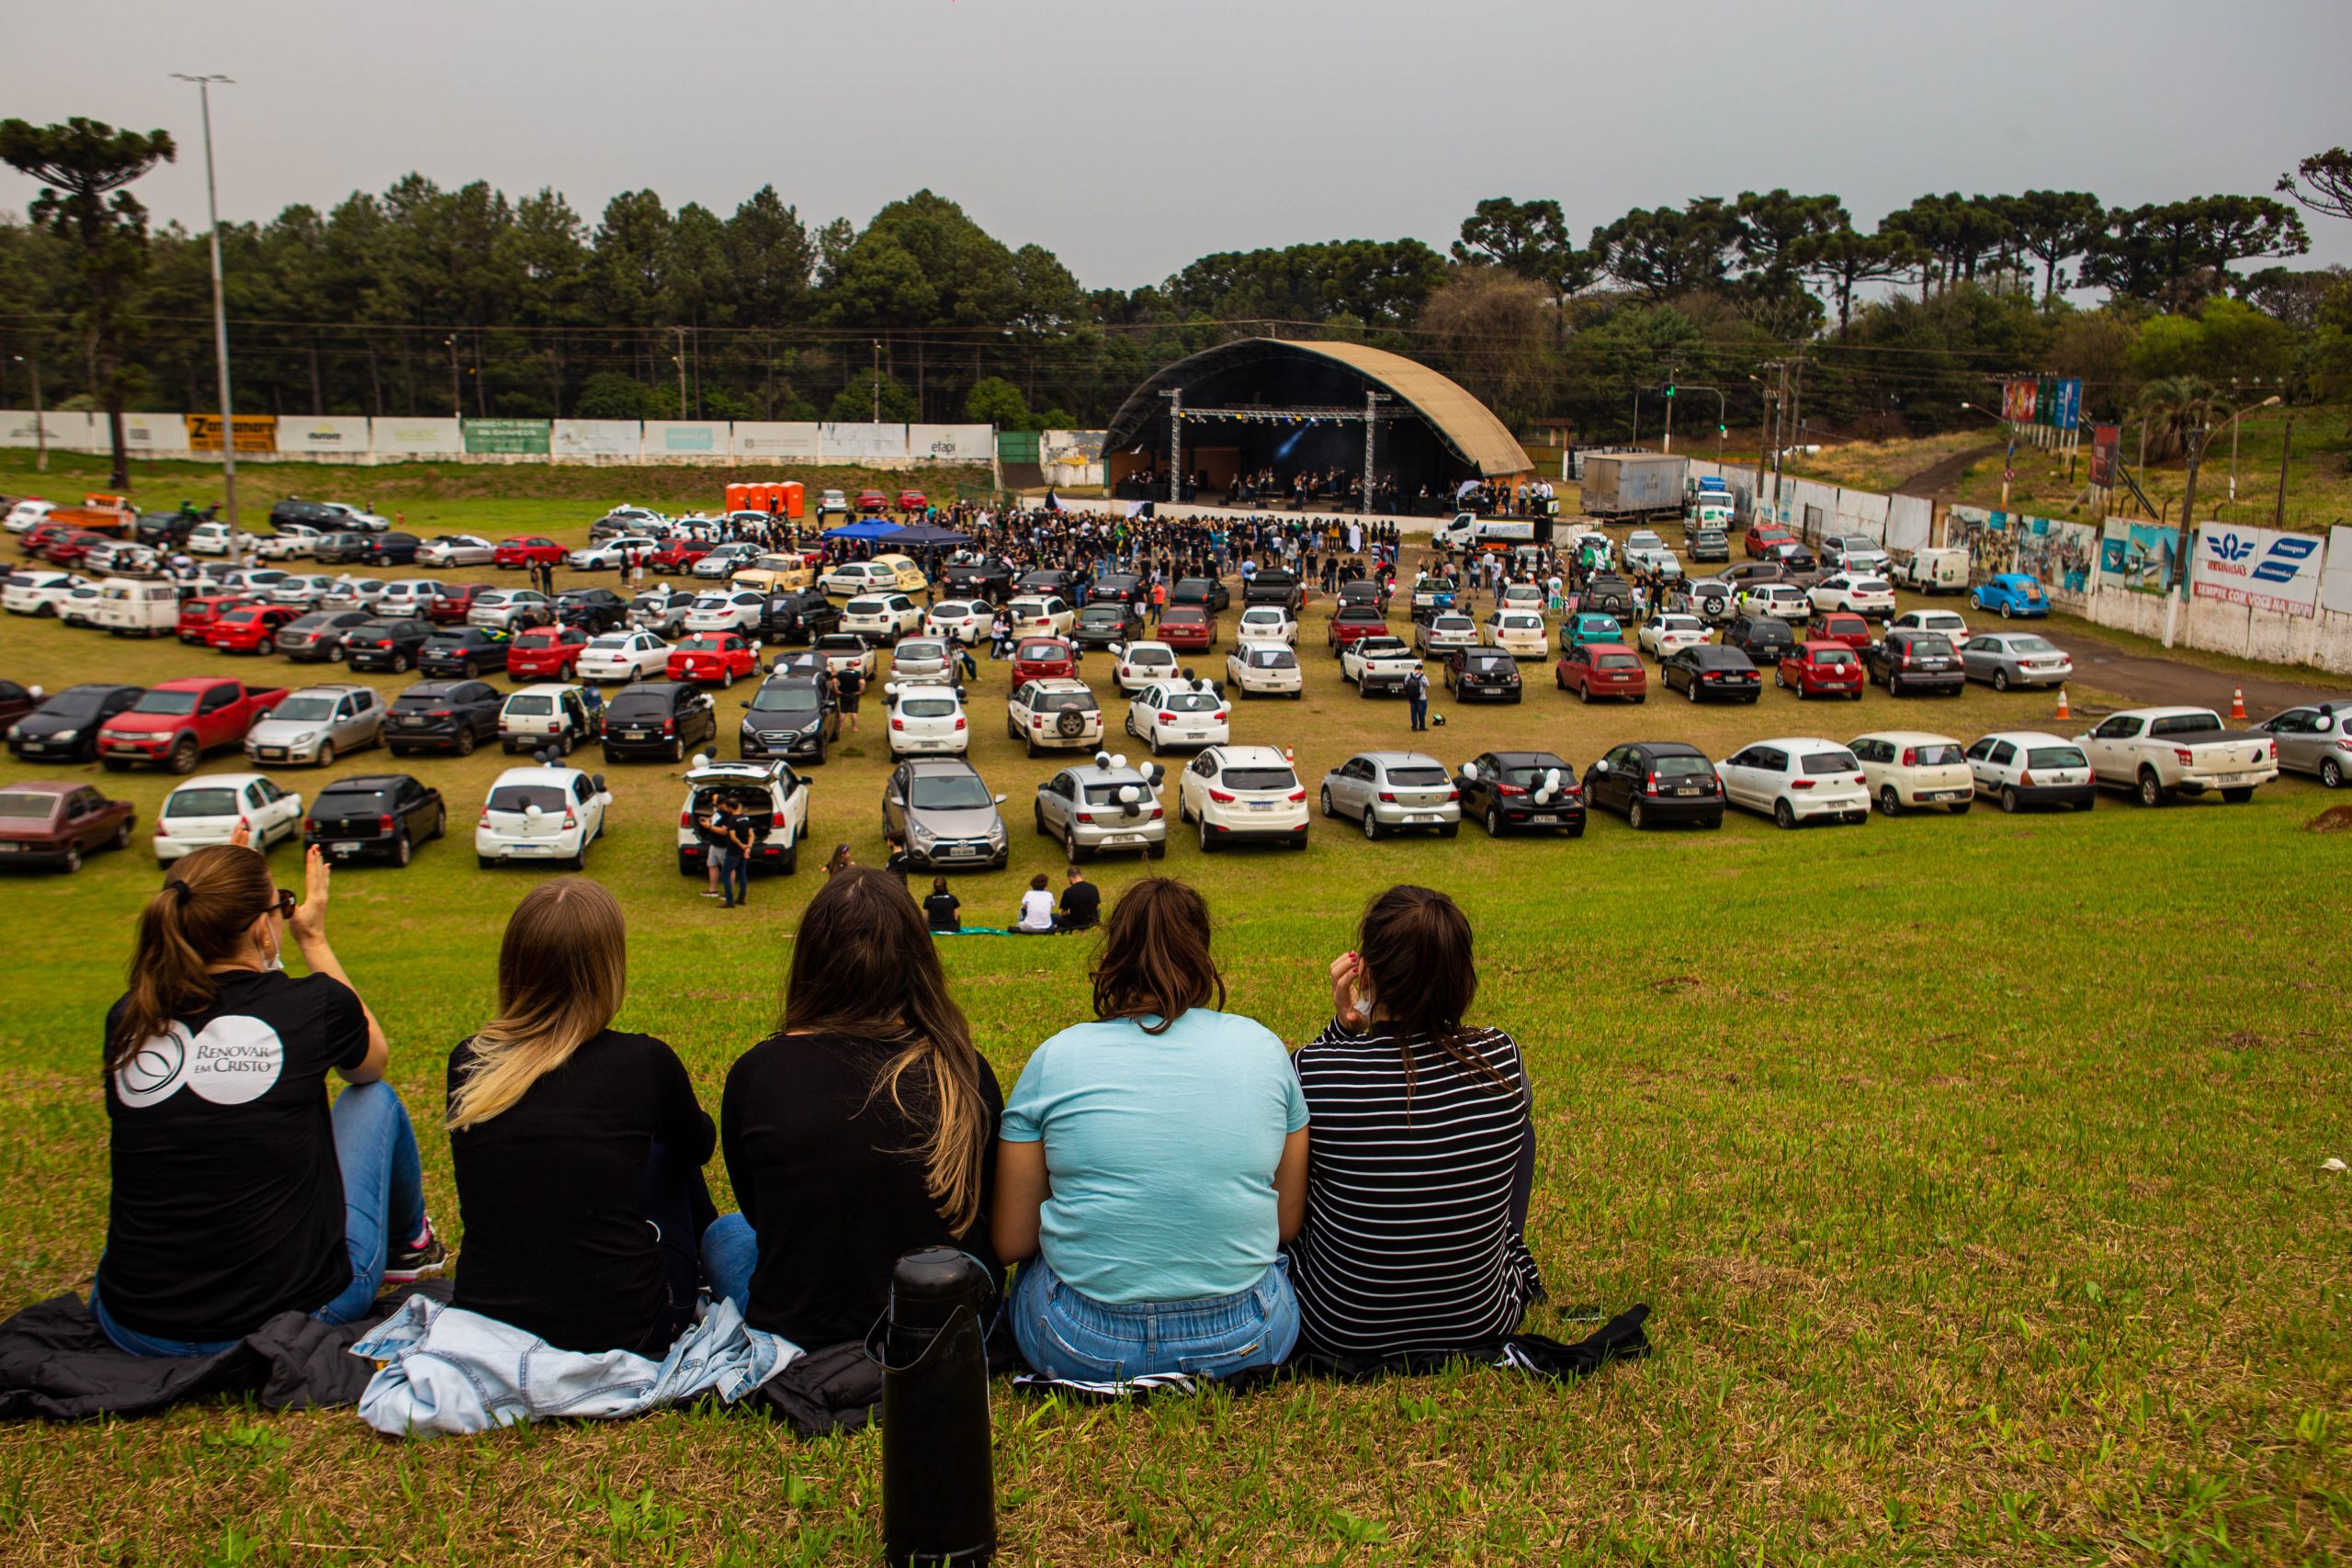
[209, 901]
[865, 964]
[1415, 948]
[1155, 960]
[563, 974]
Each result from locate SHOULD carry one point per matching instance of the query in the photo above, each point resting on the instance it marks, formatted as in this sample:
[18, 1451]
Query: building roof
[1461, 421]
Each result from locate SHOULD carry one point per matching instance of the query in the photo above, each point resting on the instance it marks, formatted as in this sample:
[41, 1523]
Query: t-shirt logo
[233, 1060]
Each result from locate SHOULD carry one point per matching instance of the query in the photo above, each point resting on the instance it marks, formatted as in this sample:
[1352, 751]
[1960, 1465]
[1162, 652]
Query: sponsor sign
[2336, 576]
[862, 441]
[951, 443]
[418, 437]
[2268, 570]
[322, 433]
[2107, 452]
[596, 438]
[2136, 556]
[256, 431]
[684, 438]
[509, 435]
[154, 432]
[778, 439]
[2068, 409]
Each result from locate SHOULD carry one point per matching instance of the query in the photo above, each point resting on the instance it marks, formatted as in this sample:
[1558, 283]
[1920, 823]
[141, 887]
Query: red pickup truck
[177, 723]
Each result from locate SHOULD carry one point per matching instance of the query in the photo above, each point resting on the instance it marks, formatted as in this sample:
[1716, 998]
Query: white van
[1934, 571]
[1468, 531]
[139, 606]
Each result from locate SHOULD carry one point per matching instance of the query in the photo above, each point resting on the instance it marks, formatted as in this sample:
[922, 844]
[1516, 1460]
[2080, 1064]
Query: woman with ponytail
[238, 1194]
[864, 1127]
[577, 1149]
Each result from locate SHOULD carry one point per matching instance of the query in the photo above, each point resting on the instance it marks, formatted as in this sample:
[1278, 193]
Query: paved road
[2158, 681]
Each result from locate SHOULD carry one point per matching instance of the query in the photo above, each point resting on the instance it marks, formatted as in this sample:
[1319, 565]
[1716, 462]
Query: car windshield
[1417, 778]
[2056, 757]
[354, 797]
[794, 699]
[2033, 645]
[1150, 656]
[1829, 656]
[1872, 585]
[839, 644]
[73, 704]
[530, 707]
[522, 797]
[1831, 763]
[1182, 616]
[949, 792]
[1273, 658]
[1933, 756]
[1493, 661]
[445, 640]
[1189, 702]
[622, 641]
[918, 652]
[170, 703]
[309, 710]
[1259, 778]
[1066, 702]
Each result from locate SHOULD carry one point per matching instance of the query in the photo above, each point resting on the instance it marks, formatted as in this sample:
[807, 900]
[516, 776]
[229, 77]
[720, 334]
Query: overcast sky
[1130, 136]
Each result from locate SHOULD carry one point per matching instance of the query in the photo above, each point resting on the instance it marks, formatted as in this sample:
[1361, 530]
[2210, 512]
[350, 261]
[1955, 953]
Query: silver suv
[1105, 804]
[317, 723]
[510, 609]
[1389, 792]
[941, 812]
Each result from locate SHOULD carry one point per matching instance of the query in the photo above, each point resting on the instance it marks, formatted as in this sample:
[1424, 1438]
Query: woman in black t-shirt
[238, 1194]
[577, 1149]
[940, 910]
[863, 1128]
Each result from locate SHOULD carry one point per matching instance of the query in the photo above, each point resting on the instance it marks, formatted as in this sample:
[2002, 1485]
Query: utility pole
[41, 426]
[2176, 581]
[1669, 410]
[2285, 445]
[1772, 399]
[877, 380]
[1638, 415]
[457, 387]
[681, 357]
[220, 301]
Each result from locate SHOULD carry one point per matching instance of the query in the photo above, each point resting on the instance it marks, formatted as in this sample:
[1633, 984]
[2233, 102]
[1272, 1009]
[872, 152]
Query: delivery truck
[1628, 486]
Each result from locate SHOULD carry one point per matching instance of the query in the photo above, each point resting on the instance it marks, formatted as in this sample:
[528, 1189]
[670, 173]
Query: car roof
[1250, 756]
[1060, 683]
[1908, 737]
[1148, 644]
[1800, 744]
[2026, 737]
[544, 689]
[1520, 758]
[1386, 759]
[717, 768]
[209, 780]
[536, 776]
[370, 782]
[940, 765]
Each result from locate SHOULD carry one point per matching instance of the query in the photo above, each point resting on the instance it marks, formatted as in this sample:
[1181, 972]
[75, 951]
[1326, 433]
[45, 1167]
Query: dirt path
[2156, 681]
[1940, 481]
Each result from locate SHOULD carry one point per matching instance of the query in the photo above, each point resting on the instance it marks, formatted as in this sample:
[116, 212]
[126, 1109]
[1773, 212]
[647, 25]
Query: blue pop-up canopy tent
[868, 528]
[926, 534]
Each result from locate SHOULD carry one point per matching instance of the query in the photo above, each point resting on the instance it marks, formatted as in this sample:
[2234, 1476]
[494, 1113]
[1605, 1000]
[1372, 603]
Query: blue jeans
[1065, 1334]
[734, 876]
[731, 1253]
[1420, 706]
[383, 1198]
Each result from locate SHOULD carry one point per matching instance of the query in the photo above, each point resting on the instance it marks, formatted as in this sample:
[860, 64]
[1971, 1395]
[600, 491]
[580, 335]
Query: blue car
[2011, 593]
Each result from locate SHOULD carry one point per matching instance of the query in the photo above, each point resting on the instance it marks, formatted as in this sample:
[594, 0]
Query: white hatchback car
[727, 611]
[1870, 597]
[624, 656]
[881, 617]
[965, 620]
[773, 797]
[1142, 663]
[1908, 768]
[1444, 631]
[1784, 601]
[1265, 669]
[1266, 622]
[927, 721]
[1947, 624]
[1239, 792]
[207, 811]
[2030, 767]
[1797, 779]
[1042, 612]
[1668, 634]
[1179, 713]
[844, 578]
[541, 814]
[1519, 633]
[610, 555]
[1394, 792]
[1055, 712]
[33, 593]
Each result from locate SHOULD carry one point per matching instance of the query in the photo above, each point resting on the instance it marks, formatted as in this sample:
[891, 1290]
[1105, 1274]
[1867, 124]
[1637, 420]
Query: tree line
[425, 300]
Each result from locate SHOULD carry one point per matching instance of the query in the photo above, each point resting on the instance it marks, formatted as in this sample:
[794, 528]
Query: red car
[871, 504]
[679, 553]
[197, 614]
[1764, 535]
[37, 539]
[249, 628]
[912, 501]
[1838, 626]
[1602, 669]
[450, 606]
[71, 547]
[545, 653]
[718, 659]
[1350, 623]
[527, 549]
[55, 822]
[1188, 628]
[1821, 670]
[1037, 657]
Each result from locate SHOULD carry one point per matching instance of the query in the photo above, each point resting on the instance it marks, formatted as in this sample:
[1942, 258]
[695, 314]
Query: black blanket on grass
[56, 1364]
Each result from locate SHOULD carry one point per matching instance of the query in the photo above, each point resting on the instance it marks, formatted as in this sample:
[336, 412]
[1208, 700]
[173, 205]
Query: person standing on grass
[711, 829]
[238, 1193]
[736, 836]
[863, 1128]
[851, 685]
[1416, 698]
[1150, 1165]
[1423, 1159]
[577, 1149]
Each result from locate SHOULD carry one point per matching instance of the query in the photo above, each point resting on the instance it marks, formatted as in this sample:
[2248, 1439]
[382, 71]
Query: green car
[1585, 630]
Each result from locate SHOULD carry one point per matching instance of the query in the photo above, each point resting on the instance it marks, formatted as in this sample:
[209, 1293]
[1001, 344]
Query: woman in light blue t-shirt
[1150, 1166]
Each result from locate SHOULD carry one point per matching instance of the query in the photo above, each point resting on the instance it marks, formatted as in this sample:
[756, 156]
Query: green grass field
[1970, 1165]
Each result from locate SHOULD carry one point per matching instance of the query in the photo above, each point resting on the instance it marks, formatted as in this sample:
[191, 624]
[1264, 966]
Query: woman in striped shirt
[1423, 1152]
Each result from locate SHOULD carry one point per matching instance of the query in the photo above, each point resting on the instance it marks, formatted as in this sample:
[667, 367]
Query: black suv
[591, 609]
[1606, 594]
[385, 815]
[793, 717]
[443, 715]
[1106, 621]
[391, 644]
[462, 650]
[659, 719]
[1210, 593]
[1915, 661]
[308, 513]
[1275, 588]
[798, 614]
[1765, 640]
[1483, 673]
[988, 577]
[392, 548]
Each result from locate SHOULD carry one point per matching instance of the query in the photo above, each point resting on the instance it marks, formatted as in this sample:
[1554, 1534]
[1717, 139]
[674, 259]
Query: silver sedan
[2314, 739]
[1389, 792]
[2004, 659]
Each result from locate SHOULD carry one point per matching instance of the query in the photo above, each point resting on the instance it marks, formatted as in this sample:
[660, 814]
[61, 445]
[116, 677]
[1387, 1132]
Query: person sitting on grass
[940, 910]
[863, 1128]
[1424, 1154]
[238, 1194]
[578, 1148]
[1150, 1165]
[1082, 908]
[1036, 909]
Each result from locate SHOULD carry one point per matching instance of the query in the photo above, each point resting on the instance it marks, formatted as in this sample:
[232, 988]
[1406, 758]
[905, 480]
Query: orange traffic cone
[2237, 702]
[2063, 711]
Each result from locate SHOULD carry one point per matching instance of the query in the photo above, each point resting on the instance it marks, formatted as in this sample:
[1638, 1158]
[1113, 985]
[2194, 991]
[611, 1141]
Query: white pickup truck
[2162, 752]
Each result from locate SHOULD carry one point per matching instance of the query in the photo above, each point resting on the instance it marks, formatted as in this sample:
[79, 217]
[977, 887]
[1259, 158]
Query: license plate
[1686, 789]
[1123, 837]
[1421, 816]
[1545, 820]
[1262, 806]
[961, 852]
[343, 849]
[2226, 779]
[10, 849]
[1946, 795]
[271, 753]
[414, 721]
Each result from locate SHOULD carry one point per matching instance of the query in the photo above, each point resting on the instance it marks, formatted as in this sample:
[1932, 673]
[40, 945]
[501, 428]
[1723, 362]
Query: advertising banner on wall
[686, 438]
[256, 431]
[855, 441]
[2058, 554]
[511, 436]
[2107, 449]
[1986, 535]
[595, 438]
[144, 432]
[951, 443]
[322, 434]
[2136, 556]
[775, 440]
[417, 437]
[2238, 565]
[2335, 573]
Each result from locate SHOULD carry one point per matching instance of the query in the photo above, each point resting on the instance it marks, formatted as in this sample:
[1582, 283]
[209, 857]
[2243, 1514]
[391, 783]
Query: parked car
[339, 547]
[793, 717]
[177, 722]
[1102, 623]
[1762, 536]
[1378, 664]
[1585, 628]
[1820, 668]
[454, 602]
[62, 726]
[591, 609]
[768, 795]
[1519, 633]
[1265, 669]
[1515, 791]
[1795, 780]
[1441, 633]
[541, 814]
[882, 618]
[1607, 594]
[1202, 592]
[249, 628]
[510, 610]
[1909, 770]
[380, 816]
[463, 651]
[2023, 767]
[519, 550]
[1042, 658]
[1709, 671]
[455, 550]
[1188, 629]
[545, 653]
[317, 723]
[841, 652]
[209, 810]
[976, 577]
[393, 548]
[1780, 601]
[1915, 661]
[1352, 621]
[681, 552]
[1950, 623]
[1179, 713]
[317, 638]
[798, 614]
[36, 593]
[1236, 793]
[1602, 669]
[613, 554]
[1482, 673]
[1663, 633]
[1765, 640]
[713, 658]
[1856, 553]
[2004, 659]
[54, 822]
[391, 645]
[1654, 783]
[1706, 545]
[1282, 588]
[964, 621]
[659, 719]
[727, 610]
[1141, 664]
[1933, 572]
[2316, 738]
[1393, 792]
[552, 716]
[849, 577]
[2011, 594]
[622, 656]
[661, 610]
[1839, 625]
[1708, 598]
[1870, 597]
[443, 715]
[1053, 712]
[2163, 753]
[1100, 805]
[926, 720]
[942, 815]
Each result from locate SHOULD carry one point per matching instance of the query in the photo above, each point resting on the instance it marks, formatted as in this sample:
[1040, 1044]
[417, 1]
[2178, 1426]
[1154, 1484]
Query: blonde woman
[577, 1149]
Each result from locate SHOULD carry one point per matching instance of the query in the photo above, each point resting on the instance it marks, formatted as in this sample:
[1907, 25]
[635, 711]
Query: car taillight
[1168, 718]
[1800, 783]
[1387, 797]
[775, 819]
[570, 821]
[2274, 749]
[2185, 758]
[1086, 816]
[485, 817]
[384, 825]
[1221, 797]
[959, 721]
[1509, 789]
[685, 817]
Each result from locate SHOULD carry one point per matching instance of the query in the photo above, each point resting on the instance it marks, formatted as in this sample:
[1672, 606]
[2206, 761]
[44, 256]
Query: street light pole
[2178, 583]
[40, 426]
[2008, 460]
[877, 380]
[1668, 446]
[220, 301]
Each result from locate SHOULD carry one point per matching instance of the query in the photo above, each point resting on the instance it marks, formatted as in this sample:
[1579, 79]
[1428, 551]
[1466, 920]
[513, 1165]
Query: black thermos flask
[938, 1475]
